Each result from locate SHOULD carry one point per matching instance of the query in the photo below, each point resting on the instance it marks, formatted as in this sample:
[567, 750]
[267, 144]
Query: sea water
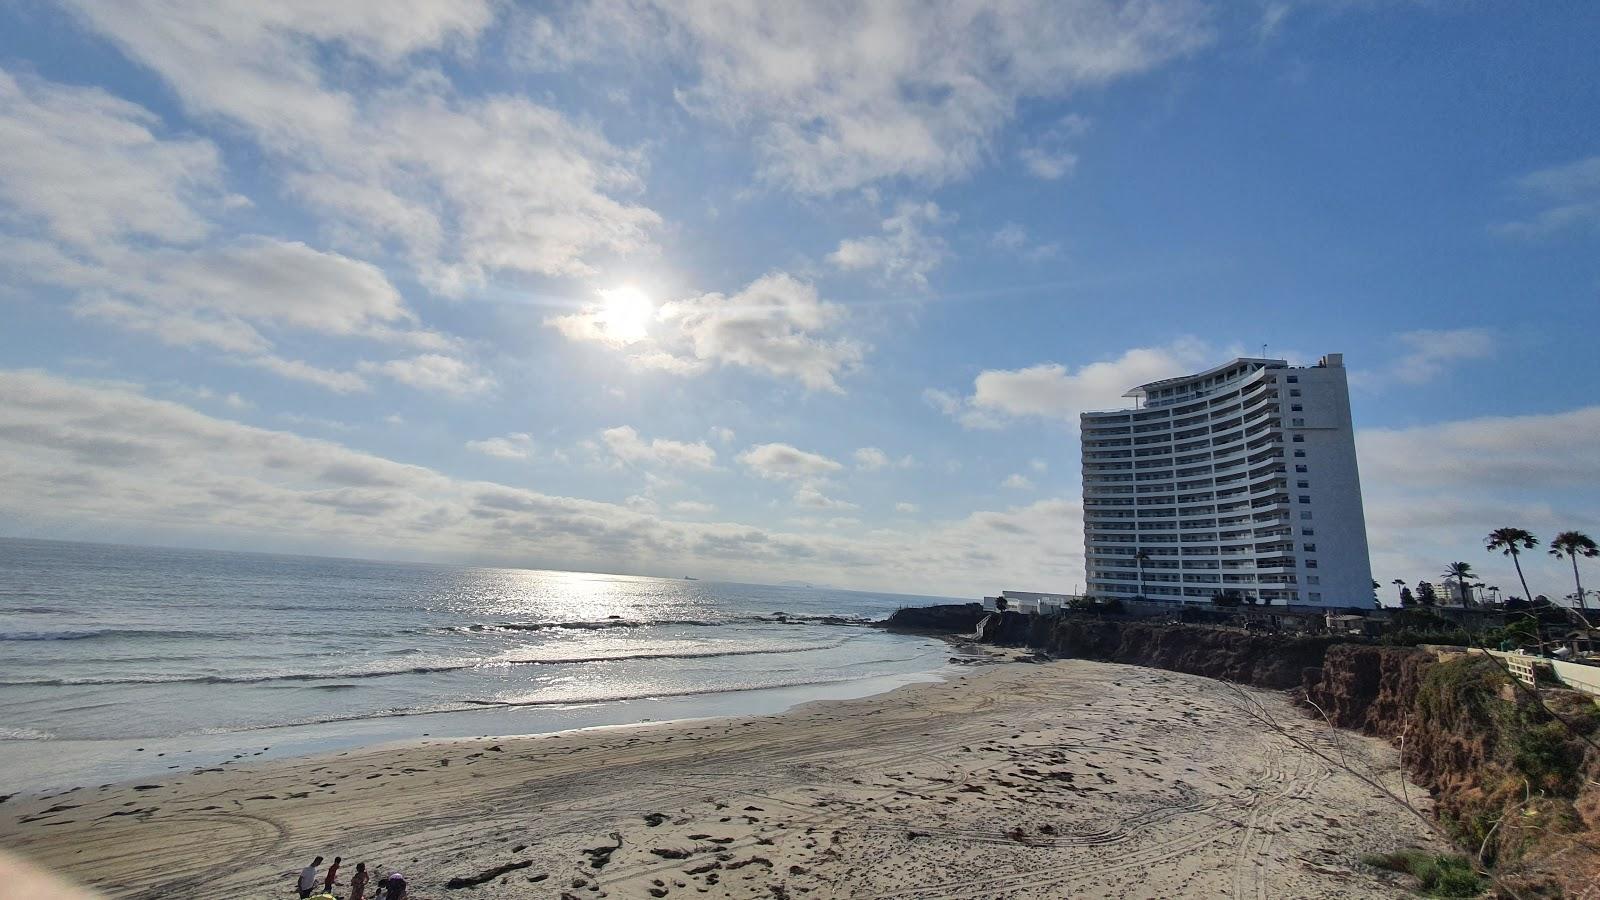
[120, 662]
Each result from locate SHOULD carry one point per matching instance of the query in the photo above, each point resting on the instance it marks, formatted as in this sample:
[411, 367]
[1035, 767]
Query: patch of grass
[1438, 874]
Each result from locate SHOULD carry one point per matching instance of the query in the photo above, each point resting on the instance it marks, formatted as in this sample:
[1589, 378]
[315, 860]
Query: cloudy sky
[776, 291]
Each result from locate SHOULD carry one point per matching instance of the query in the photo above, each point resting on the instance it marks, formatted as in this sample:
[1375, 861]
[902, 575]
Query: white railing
[1575, 676]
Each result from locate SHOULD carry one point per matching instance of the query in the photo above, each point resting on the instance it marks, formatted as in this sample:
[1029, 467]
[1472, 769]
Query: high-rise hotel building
[1240, 479]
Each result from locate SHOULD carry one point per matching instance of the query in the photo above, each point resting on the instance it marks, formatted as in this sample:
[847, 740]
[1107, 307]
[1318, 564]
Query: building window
[1299, 454]
[1309, 548]
[1299, 439]
[1305, 498]
[1293, 379]
[1294, 392]
[1313, 579]
[1308, 532]
[1302, 484]
[1305, 515]
[1311, 564]
[1297, 423]
[1295, 407]
[1316, 597]
[1300, 470]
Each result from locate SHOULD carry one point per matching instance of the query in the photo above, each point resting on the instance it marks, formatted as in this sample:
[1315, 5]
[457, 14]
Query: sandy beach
[1019, 779]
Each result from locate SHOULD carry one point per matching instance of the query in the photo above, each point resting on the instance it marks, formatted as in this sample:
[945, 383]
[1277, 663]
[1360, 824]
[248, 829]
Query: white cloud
[89, 167]
[839, 97]
[905, 251]
[1038, 465]
[625, 443]
[1013, 238]
[1426, 354]
[1568, 196]
[1051, 391]
[298, 370]
[812, 498]
[693, 507]
[499, 183]
[777, 326]
[125, 253]
[1049, 155]
[1017, 482]
[434, 372]
[517, 445]
[783, 462]
[722, 433]
[1501, 452]
[907, 508]
[1433, 491]
[871, 459]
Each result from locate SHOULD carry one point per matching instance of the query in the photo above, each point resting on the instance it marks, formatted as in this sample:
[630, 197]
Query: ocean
[121, 662]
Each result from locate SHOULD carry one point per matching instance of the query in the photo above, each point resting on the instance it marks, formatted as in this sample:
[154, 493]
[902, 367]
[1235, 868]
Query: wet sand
[1019, 779]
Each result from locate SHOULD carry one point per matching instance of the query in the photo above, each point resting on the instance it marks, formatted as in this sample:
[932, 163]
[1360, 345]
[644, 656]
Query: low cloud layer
[109, 454]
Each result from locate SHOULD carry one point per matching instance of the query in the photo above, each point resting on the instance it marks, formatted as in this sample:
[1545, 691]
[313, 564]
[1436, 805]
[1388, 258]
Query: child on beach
[333, 875]
[358, 882]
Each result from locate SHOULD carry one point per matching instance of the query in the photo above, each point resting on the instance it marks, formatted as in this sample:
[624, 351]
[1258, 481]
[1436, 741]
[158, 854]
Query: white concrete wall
[1344, 568]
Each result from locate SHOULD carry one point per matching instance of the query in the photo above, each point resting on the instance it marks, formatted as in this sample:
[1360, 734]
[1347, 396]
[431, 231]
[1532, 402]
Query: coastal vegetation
[1511, 541]
[1437, 874]
[1571, 545]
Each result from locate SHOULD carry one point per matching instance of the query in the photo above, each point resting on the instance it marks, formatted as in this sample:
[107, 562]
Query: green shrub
[1438, 875]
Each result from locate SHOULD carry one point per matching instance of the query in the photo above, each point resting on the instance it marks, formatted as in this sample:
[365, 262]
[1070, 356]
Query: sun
[626, 313]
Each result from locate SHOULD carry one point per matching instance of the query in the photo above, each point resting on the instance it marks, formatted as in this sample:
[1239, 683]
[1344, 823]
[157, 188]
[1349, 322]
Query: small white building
[1030, 602]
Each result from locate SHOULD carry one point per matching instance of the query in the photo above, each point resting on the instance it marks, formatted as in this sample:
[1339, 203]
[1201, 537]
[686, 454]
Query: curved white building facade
[1241, 478]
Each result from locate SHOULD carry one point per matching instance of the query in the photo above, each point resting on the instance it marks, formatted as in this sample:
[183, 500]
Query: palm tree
[1462, 573]
[1573, 544]
[1511, 542]
[1140, 557]
[1399, 583]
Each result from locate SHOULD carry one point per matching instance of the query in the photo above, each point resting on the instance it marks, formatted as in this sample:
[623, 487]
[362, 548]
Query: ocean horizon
[130, 661]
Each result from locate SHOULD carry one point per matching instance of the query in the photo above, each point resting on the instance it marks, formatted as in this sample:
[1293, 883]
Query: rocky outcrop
[949, 618]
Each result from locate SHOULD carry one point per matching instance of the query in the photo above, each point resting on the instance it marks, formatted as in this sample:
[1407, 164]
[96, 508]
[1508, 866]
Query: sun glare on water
[626, 313]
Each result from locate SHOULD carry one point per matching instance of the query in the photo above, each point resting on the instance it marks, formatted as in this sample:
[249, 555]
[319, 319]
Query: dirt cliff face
[1510, 773]
[1272, 662]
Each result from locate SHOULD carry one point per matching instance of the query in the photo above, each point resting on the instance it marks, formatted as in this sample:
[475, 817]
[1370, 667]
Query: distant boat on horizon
[690, 578]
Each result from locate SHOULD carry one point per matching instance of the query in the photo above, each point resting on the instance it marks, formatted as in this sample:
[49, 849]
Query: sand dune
[1058, 779]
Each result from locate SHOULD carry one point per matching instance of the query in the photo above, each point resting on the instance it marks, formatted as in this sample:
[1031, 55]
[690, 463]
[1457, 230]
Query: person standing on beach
[308, 878]
[397, 886]
[333, 875]
[358, 882]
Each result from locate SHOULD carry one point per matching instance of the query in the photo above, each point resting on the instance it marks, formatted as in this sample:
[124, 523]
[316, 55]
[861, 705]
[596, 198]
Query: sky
[771, 292]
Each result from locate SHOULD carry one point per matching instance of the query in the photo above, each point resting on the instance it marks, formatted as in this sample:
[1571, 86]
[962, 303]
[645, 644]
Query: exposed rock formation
[1271, 662]
[950, 618]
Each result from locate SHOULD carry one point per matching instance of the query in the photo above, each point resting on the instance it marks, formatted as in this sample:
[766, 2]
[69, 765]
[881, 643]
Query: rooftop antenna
[1263, 351]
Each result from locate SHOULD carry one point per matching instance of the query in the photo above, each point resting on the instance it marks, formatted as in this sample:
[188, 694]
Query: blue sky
[761, 291]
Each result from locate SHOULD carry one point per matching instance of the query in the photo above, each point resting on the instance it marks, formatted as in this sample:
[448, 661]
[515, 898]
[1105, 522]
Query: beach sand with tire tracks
[1019, 779]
